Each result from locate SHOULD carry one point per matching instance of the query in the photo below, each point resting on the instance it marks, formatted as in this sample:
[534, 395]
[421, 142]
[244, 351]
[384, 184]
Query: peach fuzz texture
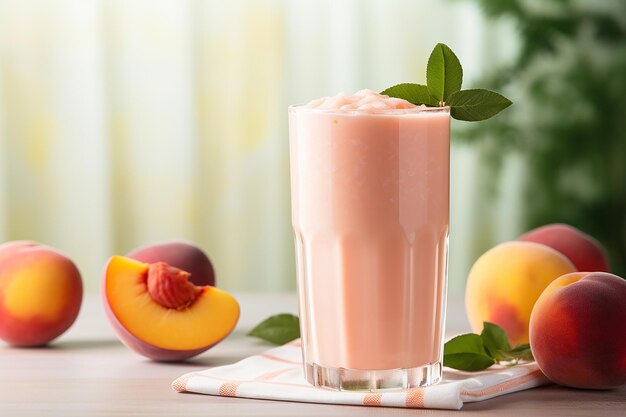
[40, 293]
[585, 252]
[505, 282]
[578, 330]
[180, 254]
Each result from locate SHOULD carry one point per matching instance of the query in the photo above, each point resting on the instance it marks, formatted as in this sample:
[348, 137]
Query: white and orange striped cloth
[277, 375]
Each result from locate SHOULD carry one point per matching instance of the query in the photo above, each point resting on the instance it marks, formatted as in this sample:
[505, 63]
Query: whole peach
[578, 330]
[505, 282]
[8, 249]
[40, 293]
[179, 254]
[585, 252]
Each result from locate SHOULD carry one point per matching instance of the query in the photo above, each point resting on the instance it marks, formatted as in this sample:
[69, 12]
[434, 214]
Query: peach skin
[585, 252]
[578, 330]
[505, 282]
[157, 312]
[179, 254]
[40, 293]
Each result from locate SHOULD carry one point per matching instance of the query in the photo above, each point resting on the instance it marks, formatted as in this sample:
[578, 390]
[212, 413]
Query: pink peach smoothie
[370, 212]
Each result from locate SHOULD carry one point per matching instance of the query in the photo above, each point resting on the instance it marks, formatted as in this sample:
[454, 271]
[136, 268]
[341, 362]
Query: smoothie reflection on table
[370, 212]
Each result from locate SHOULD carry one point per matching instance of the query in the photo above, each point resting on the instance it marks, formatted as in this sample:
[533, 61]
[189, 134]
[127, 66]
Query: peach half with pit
[41, 291]
[578, 330]
[157, 312]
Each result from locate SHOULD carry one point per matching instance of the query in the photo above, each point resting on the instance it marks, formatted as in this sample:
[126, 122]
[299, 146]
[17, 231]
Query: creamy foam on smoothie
[364, 100]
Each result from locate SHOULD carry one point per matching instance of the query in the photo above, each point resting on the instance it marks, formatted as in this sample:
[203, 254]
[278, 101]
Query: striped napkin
[277, 375]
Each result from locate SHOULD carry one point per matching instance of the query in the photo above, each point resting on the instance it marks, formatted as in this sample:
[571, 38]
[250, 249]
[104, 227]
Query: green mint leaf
[444, 74]
[495, 340]
[278, 329]
[476, 104]
[467, 353]
[521, 352]
[413, 93]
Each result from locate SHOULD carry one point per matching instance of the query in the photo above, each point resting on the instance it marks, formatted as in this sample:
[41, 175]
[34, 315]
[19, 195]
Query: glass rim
[296, 108]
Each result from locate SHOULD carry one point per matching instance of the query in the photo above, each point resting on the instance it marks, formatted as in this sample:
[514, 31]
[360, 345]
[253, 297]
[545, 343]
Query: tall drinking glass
[370, 213]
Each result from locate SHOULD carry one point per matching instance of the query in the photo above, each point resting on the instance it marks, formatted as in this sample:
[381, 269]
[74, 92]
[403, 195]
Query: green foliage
[476, 104]
[444, 74]
[278, 329]
[495, 340]
[473, 352]
[413, 93]
[569, 121]
[467, 353]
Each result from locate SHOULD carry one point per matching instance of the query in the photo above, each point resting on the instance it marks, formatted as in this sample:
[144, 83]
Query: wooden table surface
[88, 372]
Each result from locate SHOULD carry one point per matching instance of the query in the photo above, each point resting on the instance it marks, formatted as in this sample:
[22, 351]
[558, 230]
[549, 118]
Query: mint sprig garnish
[472, 352]
[414, 93]
[444, 76]
[476, 104]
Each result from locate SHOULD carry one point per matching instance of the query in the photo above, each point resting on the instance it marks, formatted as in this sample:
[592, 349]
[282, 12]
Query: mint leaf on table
[472, 352]
[444, 74]
[467, 353]
[521, 352]
[413, 93]
[278, 329]
[476, 104]
[495, 340]
[444, 77]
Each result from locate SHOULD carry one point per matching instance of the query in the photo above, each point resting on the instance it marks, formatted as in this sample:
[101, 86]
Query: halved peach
[158, 313]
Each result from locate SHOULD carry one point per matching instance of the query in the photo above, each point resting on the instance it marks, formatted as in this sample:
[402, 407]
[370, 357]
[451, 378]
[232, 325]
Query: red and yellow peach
[578, 330]
[505, 282]
[40, 293]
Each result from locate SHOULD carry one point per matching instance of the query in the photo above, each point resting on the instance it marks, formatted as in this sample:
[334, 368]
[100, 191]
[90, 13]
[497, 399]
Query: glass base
[345, 379]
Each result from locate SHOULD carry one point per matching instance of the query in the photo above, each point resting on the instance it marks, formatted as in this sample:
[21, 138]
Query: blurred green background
[129, 122]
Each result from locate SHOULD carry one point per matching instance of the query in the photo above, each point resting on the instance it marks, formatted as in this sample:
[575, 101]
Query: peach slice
[159, 314]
